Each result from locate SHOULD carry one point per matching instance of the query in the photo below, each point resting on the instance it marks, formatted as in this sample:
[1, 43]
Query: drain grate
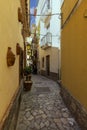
[42, 89]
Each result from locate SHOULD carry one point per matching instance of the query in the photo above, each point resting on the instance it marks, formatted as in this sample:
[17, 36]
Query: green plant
[27, 70]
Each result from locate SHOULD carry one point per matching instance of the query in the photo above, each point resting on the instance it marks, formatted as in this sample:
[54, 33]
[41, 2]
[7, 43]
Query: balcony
[46, 41]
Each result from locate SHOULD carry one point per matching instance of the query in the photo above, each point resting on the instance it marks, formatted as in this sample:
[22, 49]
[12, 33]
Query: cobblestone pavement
[43, 109]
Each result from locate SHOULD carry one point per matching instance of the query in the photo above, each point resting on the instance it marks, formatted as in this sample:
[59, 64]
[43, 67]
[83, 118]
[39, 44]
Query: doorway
[21, 65]
[48, 65]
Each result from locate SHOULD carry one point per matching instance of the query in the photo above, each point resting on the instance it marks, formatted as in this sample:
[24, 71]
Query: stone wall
[75, 107]
[11, 120]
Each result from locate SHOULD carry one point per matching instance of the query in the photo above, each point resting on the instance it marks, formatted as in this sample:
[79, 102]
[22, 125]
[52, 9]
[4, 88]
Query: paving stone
[57, 121]
[27, 114]
[49, 108]
[53, 125]
[44, 116]
[27, 122]
[39, 116]
[60, 126]
[21, 127]
[64, 120]
[41, 112]
[37, 126]
[47, 123]
[42, 125]
[44, 111]
[49, 115]
[28, 109]
[34, 113]
[65, 114]
[44, 128]
[64, 109]
[38, 121]
[41, 107]
[30, 118]
[31, 125]
[58, 113]
[66, 127]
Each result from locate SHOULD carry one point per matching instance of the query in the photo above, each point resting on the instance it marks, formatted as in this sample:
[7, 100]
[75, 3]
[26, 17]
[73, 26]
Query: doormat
[42, 89]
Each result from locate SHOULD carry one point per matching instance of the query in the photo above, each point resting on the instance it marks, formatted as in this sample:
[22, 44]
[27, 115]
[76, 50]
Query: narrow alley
[42, 108]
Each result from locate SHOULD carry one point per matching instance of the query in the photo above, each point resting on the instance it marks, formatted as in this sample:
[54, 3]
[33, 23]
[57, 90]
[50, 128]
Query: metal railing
[46, 41]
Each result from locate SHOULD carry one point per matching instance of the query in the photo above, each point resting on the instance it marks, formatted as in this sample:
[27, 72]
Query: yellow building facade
[74, 49]
[10, 35]
[49, 62]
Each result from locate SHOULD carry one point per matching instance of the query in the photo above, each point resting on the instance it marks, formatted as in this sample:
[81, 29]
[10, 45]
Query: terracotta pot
[27, 85]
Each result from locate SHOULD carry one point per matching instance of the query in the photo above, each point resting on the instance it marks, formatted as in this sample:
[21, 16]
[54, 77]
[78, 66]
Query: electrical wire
[45, 14]
[42, 34]
[45, 35]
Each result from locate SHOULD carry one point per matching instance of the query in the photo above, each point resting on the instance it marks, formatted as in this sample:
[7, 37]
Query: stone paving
[43, 108]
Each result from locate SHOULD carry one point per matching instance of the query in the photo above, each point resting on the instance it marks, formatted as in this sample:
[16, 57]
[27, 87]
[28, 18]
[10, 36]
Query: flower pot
[27, 85]
[27, 77]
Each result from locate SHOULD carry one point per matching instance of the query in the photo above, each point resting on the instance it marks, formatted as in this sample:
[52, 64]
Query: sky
[33, 5]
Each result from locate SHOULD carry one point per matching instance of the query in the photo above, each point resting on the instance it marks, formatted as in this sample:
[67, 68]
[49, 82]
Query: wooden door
[48, 65]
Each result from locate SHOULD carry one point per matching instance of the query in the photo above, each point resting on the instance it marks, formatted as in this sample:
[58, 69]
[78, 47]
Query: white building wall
[55, 30]
[54, 22]
[43, 30]
[38, 18]
[62, 2]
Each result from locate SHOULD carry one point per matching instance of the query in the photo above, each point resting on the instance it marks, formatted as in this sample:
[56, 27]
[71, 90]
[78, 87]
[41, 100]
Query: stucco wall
[67, 7]
[53, 53]
[10, 34]
[74, 52]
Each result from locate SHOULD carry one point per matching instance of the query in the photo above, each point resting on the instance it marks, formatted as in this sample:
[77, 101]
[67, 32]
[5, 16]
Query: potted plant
[27, 72]
[27, 81]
